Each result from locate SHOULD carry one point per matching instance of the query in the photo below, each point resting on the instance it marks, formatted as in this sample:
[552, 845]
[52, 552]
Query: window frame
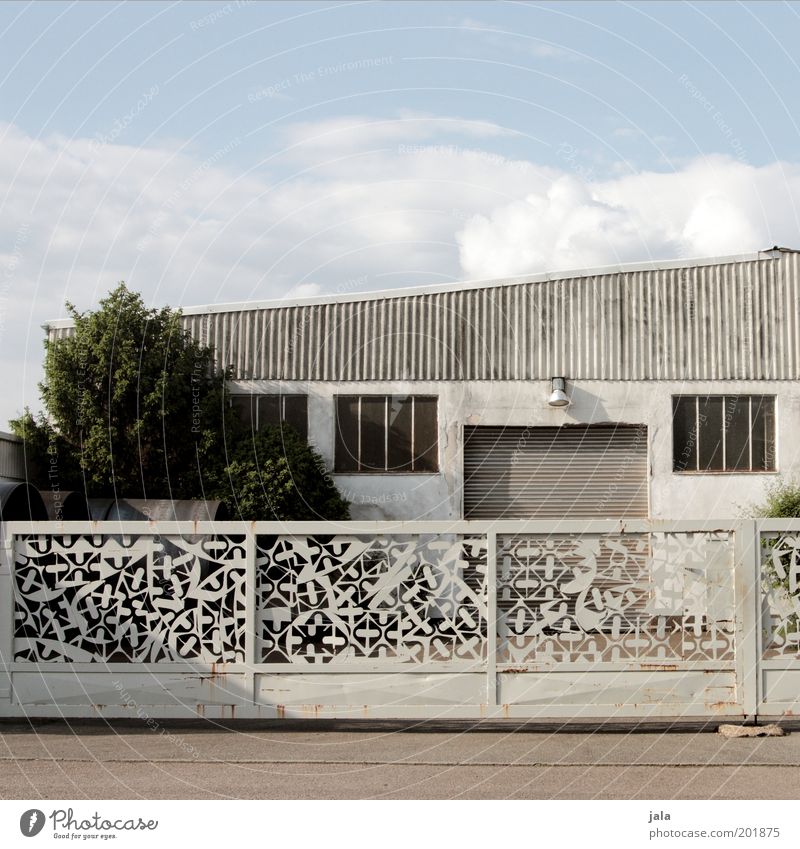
[387, 396]
[282, 396]
[698, 398]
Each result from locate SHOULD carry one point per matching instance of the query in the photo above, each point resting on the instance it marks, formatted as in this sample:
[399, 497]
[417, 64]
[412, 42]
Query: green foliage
[782, 501]
[135, 399]
[135, 409]
[51, 461]
[275, 475]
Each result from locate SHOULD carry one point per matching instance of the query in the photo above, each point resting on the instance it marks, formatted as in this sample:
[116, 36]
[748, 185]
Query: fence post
[6, 615]
[491, 620]
[747, 595]
[250, 611]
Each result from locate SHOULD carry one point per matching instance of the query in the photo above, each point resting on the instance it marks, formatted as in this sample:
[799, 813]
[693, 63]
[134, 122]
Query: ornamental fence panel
[576, 620]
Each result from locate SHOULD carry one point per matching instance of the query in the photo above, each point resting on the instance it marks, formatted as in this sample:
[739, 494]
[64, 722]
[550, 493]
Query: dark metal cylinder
[21, 502]
[68, 506]
[165, 510]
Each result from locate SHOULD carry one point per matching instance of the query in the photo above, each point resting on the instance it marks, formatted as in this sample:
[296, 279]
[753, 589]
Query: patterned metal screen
[511, 619]
[410, 599]
[780, 575]
[137, 599]
[655, 597]
[406, 598]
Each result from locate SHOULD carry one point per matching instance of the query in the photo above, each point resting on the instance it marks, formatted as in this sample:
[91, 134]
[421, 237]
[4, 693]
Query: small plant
[782, 501]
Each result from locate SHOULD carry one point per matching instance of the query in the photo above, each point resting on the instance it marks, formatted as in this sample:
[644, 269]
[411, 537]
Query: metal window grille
[386, 433]
[723, 433]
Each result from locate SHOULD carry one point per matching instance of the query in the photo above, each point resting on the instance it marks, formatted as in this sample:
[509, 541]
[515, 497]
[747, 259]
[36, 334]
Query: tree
[136, 409]
[135, 398]
[274, 474]
[50, 459]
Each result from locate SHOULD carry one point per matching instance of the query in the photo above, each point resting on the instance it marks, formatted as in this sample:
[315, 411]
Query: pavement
[286, 760]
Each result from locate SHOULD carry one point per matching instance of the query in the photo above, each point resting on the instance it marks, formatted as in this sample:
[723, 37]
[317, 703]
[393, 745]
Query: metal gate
[574, 471]
[540, 619]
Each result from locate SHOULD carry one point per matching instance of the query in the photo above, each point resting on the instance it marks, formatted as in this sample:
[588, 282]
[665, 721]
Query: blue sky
[546, 72]
[225, 151]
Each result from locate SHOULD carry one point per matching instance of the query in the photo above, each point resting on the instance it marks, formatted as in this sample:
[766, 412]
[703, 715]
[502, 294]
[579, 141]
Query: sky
[230, 151]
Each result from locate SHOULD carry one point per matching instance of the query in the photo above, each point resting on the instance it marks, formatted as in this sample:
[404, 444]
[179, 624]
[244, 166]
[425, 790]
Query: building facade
[12, 459]
[435, 403]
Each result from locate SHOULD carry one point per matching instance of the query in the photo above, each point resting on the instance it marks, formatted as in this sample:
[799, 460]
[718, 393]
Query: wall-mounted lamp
[558, 397]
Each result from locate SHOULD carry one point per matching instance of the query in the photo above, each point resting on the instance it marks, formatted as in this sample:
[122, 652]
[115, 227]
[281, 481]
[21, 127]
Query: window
[723, 433]
[255, 411]
[386, 433]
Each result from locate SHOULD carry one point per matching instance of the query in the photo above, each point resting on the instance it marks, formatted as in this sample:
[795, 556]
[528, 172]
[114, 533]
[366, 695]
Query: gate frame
[745, 666]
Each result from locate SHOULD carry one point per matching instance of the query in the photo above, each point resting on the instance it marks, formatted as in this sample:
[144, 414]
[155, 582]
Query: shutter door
[597, 472]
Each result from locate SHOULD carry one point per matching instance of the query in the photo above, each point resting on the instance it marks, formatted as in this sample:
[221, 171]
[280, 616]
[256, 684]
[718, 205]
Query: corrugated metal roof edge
[385, 294]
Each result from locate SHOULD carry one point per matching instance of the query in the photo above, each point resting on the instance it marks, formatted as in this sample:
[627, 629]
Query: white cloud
[565, 227]
[714, 206]
[551, 51]
[717, 224]
[76, 217]
[519, 42]
[626, 132]
[348, 134]
[188, 231]
[304, 290]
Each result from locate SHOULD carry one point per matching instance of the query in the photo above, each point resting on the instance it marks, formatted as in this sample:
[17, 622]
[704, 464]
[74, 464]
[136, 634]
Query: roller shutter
[597, 472]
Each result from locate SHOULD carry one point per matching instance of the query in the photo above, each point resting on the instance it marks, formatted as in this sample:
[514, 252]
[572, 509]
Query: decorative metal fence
[582, 620]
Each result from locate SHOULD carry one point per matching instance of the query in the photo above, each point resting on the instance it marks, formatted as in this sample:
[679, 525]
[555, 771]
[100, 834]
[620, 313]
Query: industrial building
[661, 390]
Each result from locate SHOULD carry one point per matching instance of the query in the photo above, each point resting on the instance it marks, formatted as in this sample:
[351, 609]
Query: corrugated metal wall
[12, 458]
[734, 320]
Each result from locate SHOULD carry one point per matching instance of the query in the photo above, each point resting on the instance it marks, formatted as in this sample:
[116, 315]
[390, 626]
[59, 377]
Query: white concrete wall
[521, 403]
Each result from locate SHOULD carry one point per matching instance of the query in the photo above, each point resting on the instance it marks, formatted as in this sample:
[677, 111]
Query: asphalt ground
[385, 761]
